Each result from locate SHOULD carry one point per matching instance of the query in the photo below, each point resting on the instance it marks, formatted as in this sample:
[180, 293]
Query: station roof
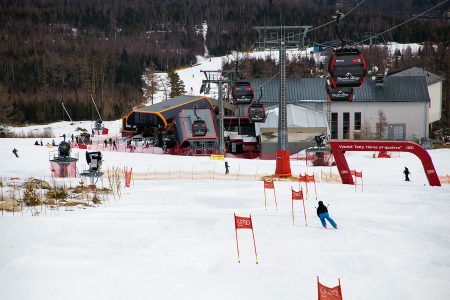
[394, 89]
[431, 78]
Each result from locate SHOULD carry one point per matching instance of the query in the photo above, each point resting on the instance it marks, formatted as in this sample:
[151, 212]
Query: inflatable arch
[338, 147]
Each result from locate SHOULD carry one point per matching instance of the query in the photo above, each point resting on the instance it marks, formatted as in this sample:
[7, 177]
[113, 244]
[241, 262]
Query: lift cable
[403, 23]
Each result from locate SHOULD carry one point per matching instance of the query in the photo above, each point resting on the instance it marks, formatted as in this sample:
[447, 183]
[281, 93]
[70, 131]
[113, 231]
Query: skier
[15, 152]
[114, 145]
[406, 172]
[53, 143]
[106, 143]
[322, 213]
[36, 143]
[227, 167]
[42, 144]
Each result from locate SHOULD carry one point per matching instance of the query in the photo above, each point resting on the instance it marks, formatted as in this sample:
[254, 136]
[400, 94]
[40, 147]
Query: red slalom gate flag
[310, 178]
[244, 223]
[299, 197]
[358, 175]
[327, 293]
[269, 184]
[128, 173]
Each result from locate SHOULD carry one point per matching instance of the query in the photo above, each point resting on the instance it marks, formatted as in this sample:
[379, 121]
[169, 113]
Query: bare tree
[381, 125]
[151, 85]
[366, 130]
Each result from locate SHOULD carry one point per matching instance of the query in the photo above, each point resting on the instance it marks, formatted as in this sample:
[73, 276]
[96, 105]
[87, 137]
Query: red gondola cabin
[347, 68]
[339, 94]
[242, 92]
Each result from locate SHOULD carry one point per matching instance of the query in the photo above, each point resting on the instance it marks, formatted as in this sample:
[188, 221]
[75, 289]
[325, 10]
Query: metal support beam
[215, 77]
[282, 116]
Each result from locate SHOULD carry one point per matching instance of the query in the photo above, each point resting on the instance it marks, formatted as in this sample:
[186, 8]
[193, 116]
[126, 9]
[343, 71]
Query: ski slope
[175, 239]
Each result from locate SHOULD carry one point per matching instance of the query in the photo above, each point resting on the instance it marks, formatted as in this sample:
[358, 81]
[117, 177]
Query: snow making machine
[62, 163]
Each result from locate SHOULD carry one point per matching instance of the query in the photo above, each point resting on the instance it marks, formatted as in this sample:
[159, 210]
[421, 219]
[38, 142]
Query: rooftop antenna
[67, 113]
[92, 98]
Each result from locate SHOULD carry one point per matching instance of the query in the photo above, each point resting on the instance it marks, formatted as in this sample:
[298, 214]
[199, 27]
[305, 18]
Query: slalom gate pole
[315, 189]
[254, 244]
[237, 246]
[304, 211]
[292, 200]
[237, 242]
[306, 184]
[275, 195]
[265, 199]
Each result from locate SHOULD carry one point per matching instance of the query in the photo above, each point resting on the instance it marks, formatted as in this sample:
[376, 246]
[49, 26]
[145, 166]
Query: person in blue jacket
[322, 213]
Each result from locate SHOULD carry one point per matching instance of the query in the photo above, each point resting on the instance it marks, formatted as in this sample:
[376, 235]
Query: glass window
[334, 125]
[357, 121]
[346, 126]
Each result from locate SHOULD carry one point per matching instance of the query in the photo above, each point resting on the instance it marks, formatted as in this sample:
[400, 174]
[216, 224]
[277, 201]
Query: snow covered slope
[175, 239]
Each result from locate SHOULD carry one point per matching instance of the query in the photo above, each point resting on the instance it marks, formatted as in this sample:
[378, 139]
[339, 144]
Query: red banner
[268, 184]
[302, 178]
[242, 222]
[358, 174]
[339, 147]
[297, 195]
[310, 178]
[327, 293]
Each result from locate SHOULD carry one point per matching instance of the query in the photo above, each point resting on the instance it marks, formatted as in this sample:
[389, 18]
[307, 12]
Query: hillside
[55, 51]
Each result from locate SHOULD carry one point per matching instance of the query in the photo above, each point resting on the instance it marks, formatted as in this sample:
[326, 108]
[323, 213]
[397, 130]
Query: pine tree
[177, 85]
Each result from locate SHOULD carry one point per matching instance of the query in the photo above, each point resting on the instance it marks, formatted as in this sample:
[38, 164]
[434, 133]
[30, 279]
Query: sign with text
[244, 223]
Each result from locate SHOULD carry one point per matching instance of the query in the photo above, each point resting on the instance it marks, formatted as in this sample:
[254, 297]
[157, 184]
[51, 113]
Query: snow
[392, 46]
[175, 239]
[65, 127]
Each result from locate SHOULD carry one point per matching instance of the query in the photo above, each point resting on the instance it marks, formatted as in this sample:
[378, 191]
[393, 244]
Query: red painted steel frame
[338, 147]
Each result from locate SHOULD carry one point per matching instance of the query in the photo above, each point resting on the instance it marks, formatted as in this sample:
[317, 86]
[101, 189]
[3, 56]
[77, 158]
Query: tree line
[54, 51]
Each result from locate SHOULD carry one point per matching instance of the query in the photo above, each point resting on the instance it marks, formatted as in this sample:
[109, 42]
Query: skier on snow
[406, 172]
[322, 213]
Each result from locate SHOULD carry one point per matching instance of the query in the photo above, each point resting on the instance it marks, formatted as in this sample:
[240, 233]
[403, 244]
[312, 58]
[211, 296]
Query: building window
[357, 121]
[334, 125]
[346, 126]
[393, 132]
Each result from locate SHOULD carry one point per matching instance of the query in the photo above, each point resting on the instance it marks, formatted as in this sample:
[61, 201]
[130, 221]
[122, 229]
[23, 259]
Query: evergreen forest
[54, 51]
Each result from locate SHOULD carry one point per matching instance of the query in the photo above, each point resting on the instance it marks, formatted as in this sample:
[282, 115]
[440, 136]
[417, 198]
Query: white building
[404, 100]
[434, 83]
